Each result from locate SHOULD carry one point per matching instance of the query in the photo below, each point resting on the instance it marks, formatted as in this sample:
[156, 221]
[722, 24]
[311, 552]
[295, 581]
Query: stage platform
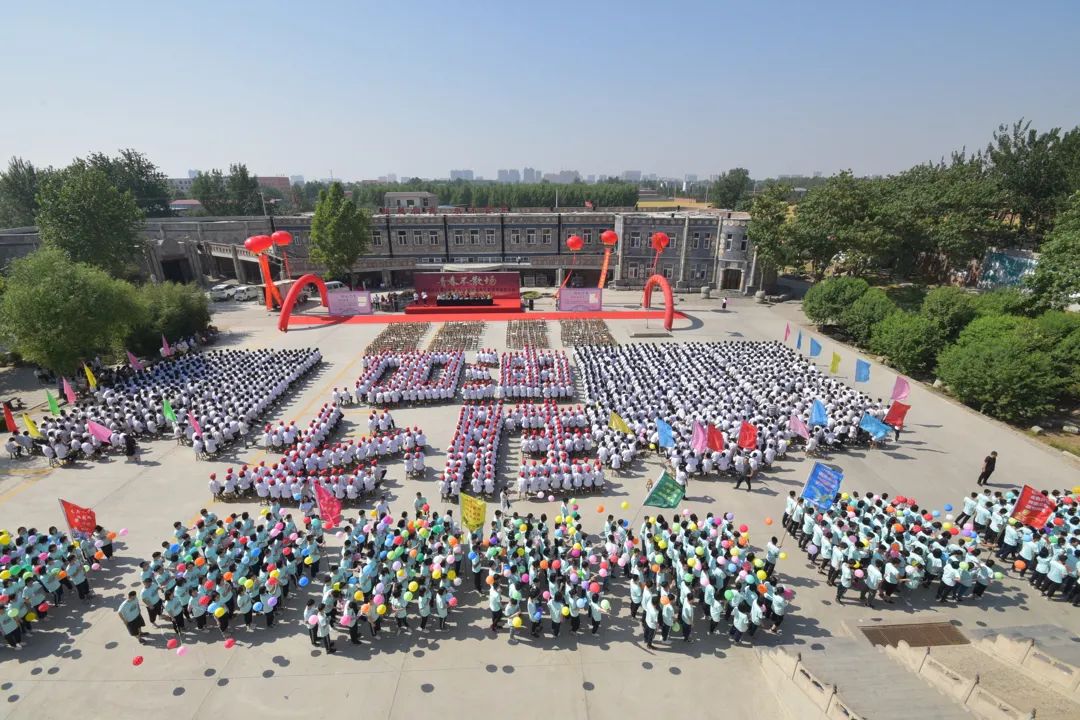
[386, 318]
[499, 305]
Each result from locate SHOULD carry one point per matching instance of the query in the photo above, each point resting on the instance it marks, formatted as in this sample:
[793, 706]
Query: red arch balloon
[294, 293]
[669, 300]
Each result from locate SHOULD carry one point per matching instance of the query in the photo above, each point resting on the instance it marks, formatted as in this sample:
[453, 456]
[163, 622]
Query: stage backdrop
[349, 302]
[581, 299]
[496, 284]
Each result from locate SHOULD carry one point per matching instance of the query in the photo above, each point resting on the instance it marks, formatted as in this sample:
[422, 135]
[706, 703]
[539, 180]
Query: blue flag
[822, 486]
[667, 436]
[798, 340]
[862, 371]
[818, 415]
[815, 348]
[875, 427]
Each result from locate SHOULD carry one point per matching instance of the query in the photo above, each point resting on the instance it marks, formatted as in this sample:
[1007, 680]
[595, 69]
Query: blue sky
[364, 89]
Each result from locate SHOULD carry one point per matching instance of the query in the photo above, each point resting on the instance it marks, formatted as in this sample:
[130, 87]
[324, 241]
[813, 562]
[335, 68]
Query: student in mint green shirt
[131, 615]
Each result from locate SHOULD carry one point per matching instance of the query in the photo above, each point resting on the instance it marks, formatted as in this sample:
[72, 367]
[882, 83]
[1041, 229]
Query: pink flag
[68, 392]
[165, 349]
[329, 506]
[135, 364]
[699, 441]
[99, 431]
[787, 331]
[799, 427]
[194, 423]
[901, 389]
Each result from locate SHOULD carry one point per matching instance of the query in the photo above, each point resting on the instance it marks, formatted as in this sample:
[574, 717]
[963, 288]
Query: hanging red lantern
[660, 241]
[258, 243]
[281, 238]
[609, 238]
[574, 243]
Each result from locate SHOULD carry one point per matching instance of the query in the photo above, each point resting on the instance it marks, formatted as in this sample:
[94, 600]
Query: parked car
[335, 285]
[244, 293]
[222, 292]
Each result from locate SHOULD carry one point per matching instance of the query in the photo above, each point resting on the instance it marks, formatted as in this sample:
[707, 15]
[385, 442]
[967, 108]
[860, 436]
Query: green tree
[131, 171]
[1002, 301]
[1032, 171]
[998, 366]
[731, 188]
[19, 186]
[169, 309]
[340, 232]
[85, 215]
[234, 194]
[833, 218]
[1056, 280]
[950, 309]
[770, 229]
[826, 302]
[908, 341]
[57, 313]
[860, 318]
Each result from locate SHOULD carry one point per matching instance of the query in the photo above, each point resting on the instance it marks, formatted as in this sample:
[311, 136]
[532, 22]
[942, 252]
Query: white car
[222, 292]
[247, 292]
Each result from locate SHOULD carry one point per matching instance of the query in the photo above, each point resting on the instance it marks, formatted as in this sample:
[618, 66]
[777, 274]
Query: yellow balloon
[336, 586]
[451, 574]
[565, 611]
[219, 612]
[734, 552]
[276, 573]
[517, 622]
[691, 562]
[761, 575]
[31, 616]
[436, 574]
[358, 596]
[783, 556]
[381, 609]
[413, 586]
[307, 561]
[624, 505]
[558, 519]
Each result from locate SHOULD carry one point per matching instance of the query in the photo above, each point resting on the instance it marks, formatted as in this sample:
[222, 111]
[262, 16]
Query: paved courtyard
[81, 662]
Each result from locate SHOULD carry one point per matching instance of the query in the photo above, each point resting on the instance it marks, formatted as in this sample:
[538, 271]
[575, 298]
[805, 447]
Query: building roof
[410, 193]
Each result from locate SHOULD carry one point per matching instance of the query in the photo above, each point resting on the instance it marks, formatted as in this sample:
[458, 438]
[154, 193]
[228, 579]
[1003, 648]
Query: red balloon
[660, 241]
[575, 243]
[258, 243]
[137, 660]
[281, 237]
[609, 238]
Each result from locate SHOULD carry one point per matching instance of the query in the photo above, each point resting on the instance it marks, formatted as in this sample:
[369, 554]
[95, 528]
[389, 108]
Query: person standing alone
[989, 463]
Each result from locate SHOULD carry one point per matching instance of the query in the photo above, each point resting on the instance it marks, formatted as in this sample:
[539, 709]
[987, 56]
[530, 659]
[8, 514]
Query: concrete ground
[79, 657]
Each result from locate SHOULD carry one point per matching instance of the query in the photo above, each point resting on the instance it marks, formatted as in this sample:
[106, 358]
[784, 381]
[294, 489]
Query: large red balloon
[609, 238]
[660, 241]
[575, 243]
[282, 237]
[258, 243]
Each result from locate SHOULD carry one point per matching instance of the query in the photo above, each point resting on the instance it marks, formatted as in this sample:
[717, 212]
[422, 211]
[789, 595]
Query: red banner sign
[1033, 508]
[495, 284]
[79, 518]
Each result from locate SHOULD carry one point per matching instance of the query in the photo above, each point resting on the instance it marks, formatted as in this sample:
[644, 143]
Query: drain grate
[916, 634]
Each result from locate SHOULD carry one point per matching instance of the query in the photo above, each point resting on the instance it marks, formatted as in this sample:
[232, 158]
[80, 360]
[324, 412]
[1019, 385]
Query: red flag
[748, 436]
[329, 506]
[715, 438]
[10, 419]
[897, 413]
[79, 518]
[1033, 508]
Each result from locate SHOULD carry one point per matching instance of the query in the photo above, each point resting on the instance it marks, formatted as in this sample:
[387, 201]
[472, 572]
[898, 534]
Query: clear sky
[362, 89]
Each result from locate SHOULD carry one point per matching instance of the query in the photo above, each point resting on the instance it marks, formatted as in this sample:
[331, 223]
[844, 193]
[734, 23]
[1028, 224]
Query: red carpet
[385, 318]
[501, 305]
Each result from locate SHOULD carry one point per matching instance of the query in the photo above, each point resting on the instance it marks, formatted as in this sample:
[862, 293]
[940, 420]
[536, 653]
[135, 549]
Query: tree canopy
[731, 190]
[234, 194]
[340, 232]
[19, 186]
[1056, 280]
[131, 171]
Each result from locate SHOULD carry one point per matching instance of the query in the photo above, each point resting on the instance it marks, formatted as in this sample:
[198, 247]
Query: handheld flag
[167, 411]
[54, 407]
[194, 423]
[798, 427]
[715, 439]
[815, 348]
[748, 436]
[134, 361]
[473, 512]
[699, 441]
[798, 341]
[166, 351]
[9, 419]
[1033, 508]
[69, 394]
[329, 506]
[666, 493]
[30, 426]
[667, 435]
[99, 431]
[835, 364]
[822, 486]
[79, 518]
[897, 413]
[901, 388]
[90, 376]
[862, 371]
[787, 331]
[617, 423]
[818, 416]
[875, 427]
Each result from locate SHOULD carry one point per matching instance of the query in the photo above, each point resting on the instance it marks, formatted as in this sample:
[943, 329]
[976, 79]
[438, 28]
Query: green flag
[54, 407]
[167, 411]
[666, 493]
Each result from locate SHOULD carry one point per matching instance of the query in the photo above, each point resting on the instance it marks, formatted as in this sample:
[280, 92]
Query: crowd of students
[535, 374]
[473, 453]
[391, 378]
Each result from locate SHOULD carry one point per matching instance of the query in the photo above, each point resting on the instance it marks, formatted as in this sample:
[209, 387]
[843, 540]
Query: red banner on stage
[495, 284]
[1033, 508]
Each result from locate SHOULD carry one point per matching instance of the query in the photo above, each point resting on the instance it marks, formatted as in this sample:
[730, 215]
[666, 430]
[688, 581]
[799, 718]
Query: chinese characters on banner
[1033, 508]
[473, 512]
[581, 299]
[495, 284]
[822, 486]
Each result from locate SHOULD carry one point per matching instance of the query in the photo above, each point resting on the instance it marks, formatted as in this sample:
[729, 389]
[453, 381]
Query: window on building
[632, 271]
[696, 244]
[586, 235]
[474, 237]
[433, 237]
[668, 271]
[742, 245]
[459, 237]
[706, 242]
[490, 235]
[547, 236]
[376, 238]
[515, 237]
[700, 271]
[409, 203]
[727, 243]
[402, 237]
[530, 237]
[635, 239]
[417, 237]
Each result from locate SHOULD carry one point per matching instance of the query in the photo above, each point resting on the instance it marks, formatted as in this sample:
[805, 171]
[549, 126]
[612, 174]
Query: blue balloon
[582, 602]
[257, 607]
[303, 581]
[948, 508]
[935, 513]
[212, 607]
[296, 497]
[353, 580]
[732, 567]
[473, 556]
[174, 548]
[537, 616]
[255, 551]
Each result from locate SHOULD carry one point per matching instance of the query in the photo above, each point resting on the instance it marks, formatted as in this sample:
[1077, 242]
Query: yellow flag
[617, 423]
[835, 364]
[90, 377]
[30, 426]
[473, 512]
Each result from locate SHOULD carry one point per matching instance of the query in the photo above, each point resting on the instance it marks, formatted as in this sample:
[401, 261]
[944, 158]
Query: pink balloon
[182, 650]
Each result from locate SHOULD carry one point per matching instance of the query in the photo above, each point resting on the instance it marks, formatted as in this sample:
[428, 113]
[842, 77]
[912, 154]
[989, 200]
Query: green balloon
[728, 594]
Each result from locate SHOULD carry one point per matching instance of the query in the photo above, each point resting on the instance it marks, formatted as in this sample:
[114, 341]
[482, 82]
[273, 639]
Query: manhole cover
[915, 635]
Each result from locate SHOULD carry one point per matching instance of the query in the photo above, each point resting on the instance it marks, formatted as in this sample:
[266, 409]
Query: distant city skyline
[777, 88]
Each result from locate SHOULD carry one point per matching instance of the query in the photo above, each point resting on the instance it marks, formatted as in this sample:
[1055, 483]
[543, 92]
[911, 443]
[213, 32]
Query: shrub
[860, 318]
[1003, 301]
[170, 309]
[1056, 325]
[950, 309]
[909, 342]
[1066, 357]
[827, 300]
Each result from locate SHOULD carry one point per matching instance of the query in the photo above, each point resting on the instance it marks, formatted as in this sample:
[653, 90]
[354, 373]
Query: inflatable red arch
[669, 301]
[294, 293]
